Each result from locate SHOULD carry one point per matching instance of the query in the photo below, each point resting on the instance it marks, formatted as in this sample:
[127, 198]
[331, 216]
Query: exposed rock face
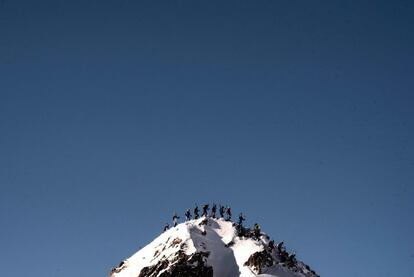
[152, 271]
[259, 261]
[182, 265]
[119, 268]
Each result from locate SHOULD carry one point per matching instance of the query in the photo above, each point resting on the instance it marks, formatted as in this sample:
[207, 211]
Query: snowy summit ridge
[209, 247]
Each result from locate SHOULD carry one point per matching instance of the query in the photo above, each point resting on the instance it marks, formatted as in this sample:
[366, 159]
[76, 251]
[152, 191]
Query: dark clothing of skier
[222, 210]
[228, 211]
[205, 210]
[196, 215]
[241, 219]
[187, 215]
[291, 260]
[213, 211]
[257, 231]
[175, 218]
[283, 256]
[166, 227]
[271, 245]
[280, 247]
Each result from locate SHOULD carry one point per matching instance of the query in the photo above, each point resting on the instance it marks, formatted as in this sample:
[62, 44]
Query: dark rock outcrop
[181, 265]
[259, 261]
[122, 265]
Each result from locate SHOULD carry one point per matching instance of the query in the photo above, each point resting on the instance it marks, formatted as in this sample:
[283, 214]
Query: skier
[257, 231]
[196, 215]
[283, 256]
[175, 217]
[281, 247]
[291, 260]
[241, 219]
[240, 229]
[187, 215]
[205, 210]
[166, 227]
[213, 211]
[271, 245]
[228, 211]
[222, 209]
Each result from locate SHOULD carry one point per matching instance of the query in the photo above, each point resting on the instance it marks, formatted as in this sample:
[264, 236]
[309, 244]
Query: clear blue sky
[113, 114]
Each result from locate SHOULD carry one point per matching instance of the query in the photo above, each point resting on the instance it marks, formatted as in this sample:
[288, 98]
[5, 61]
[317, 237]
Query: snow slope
[217, 239]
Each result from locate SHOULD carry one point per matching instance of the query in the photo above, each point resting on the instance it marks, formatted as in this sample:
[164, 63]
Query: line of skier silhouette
[222, 212]
[225, 212]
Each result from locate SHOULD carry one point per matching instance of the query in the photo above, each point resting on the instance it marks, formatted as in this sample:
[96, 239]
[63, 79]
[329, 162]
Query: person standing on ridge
[271, 245]
[222, 211]
[257, 231]
[196, 215]
[187, 215]
[240, 229]
[241, 219]
[175, 218]
[166, 227]
[205, 210]
[228, 211]
[291, 260]
[280, 247]
[213, 211]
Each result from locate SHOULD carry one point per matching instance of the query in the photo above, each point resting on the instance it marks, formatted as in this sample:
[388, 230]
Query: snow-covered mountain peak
[212, 248]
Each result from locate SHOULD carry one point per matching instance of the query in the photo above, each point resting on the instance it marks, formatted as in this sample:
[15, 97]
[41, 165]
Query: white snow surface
[226, 261]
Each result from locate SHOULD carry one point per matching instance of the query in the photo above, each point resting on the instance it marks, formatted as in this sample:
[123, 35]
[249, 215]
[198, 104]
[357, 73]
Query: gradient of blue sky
[113, 114]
